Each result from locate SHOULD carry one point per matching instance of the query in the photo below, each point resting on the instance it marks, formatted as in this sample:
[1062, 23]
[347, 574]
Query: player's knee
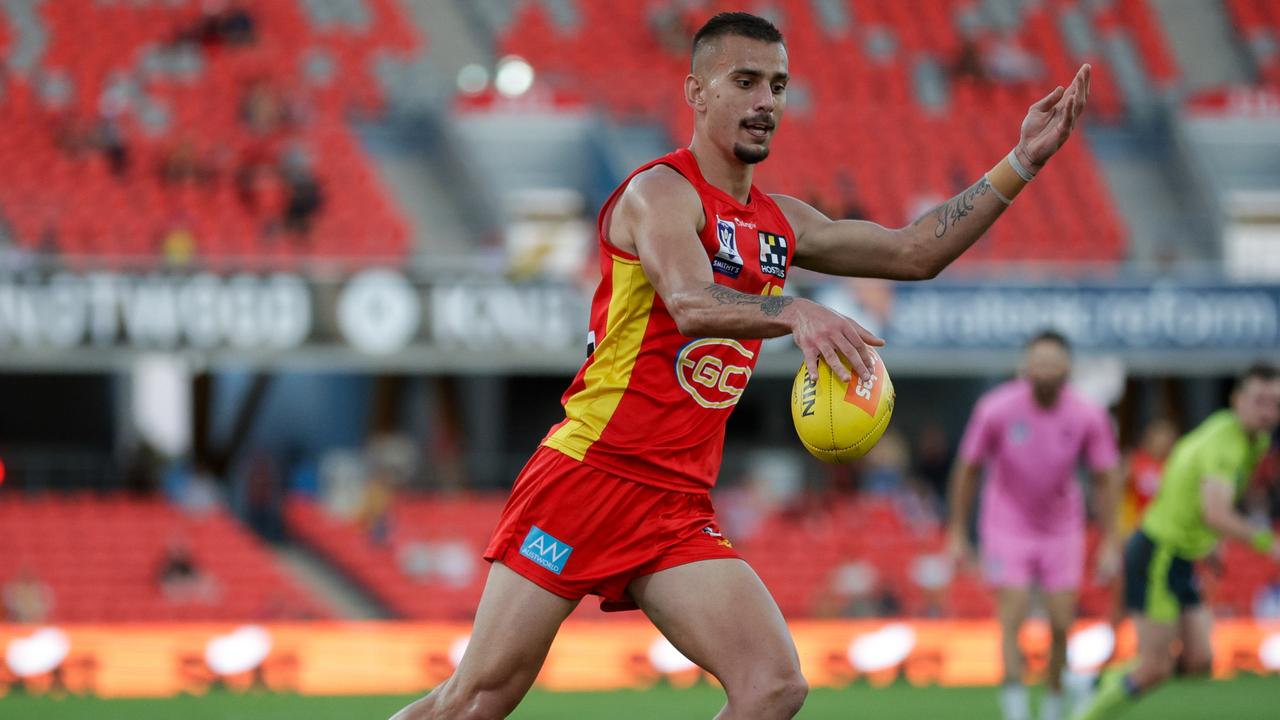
[791, 693]
[799, 690]
[784, 693]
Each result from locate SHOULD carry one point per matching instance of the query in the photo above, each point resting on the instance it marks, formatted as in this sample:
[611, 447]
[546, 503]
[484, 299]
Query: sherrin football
[839, 422]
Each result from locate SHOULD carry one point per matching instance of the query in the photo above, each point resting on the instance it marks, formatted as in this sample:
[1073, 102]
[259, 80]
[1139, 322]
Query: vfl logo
[545, 550]
[707, 371]
[865, 395]
[727, 260]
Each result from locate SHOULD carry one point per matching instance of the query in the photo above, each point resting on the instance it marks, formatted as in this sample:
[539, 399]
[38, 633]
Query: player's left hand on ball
[821, 332]
[1050, 121]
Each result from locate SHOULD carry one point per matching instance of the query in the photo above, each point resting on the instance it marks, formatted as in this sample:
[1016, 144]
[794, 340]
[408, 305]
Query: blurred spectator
[260, 108]
[932, 458]
[194, 489]
[256, 179]
[27, 599]
[302, 189]
[111, 140]
[108, 135]
[888, 604]
[374, 516]
[263, 108]
[919, 508]
[1266, 602]
[967, 64]
[933, 575]
[1143, 470]
[178, 246]
[262, 495]
[886, 465]
[183, 163]
[180, 580]
[391, 461]
[1007, 62]
[852, 593]
[448, 562]
[674, 23]
[221, 24]
[774, 481]
[342, 482]
[142, 471]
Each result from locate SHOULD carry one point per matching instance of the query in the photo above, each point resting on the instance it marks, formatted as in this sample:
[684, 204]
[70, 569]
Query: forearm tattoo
[950, 212]
[770, 305]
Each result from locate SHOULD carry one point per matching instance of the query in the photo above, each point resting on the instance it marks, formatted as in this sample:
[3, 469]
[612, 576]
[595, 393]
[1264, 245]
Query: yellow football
[838, 422]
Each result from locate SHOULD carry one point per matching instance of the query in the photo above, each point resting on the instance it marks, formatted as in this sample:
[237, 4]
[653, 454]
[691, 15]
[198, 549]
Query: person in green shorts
[1205, 476]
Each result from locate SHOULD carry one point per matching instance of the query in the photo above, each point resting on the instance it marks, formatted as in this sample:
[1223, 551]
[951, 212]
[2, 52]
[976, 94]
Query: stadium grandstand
[291, 289]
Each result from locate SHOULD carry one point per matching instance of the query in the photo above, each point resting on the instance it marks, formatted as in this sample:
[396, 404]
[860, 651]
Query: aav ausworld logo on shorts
[545, 550]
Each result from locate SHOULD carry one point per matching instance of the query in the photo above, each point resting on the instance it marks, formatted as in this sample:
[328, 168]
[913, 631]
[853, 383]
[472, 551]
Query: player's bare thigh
[514, 626]
[721, 616]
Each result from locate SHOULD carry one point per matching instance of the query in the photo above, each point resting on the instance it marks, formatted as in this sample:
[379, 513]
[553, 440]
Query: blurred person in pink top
[1030, 435]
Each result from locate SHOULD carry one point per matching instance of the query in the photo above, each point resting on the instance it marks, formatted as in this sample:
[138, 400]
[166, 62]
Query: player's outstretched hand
[1050, 121]
[821, 332]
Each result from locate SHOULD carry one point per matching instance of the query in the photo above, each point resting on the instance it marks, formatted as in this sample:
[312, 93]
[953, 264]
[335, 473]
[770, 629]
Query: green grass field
[1246, 698]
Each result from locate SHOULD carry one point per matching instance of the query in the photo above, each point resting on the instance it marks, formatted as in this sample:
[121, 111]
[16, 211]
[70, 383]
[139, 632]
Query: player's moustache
[762, 119]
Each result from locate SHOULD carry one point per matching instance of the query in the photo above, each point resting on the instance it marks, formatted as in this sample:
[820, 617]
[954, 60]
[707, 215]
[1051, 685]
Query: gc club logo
[714, 371]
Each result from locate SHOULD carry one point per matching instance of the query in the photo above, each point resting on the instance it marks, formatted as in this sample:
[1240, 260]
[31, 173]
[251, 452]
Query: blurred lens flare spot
[242, 650]
[882, 649]
[38, 653]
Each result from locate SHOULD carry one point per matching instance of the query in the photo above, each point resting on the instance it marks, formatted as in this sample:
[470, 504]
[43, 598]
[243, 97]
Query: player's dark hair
[735, 23]
[1263, 371]
[1050, 336]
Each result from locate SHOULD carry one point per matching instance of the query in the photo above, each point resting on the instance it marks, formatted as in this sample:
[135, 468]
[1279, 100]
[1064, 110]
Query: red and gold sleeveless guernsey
[650, 404]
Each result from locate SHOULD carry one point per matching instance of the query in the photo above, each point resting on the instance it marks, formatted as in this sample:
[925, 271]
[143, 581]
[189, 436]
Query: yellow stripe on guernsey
[604, 382]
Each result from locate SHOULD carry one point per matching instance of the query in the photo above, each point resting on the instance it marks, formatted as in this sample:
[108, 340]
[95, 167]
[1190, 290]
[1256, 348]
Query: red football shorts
[576, 531]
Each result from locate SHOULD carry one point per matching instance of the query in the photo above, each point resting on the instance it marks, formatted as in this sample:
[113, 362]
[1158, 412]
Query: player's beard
[1046, 393]
[750, 154]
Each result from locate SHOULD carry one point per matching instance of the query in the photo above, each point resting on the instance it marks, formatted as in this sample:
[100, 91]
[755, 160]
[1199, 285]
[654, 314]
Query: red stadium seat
[855, 98]
[100, 557]
[91, 42]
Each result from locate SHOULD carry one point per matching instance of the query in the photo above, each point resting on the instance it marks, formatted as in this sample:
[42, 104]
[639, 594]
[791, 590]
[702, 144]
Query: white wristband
[999, 195]
[1018, 167]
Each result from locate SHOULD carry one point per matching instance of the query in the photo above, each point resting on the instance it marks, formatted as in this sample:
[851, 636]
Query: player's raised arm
[921, 250]
[657, 218]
